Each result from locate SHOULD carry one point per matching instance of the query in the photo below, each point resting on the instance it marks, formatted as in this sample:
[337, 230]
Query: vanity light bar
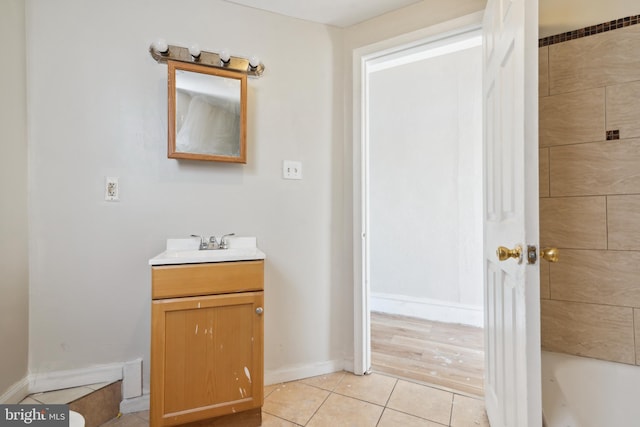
[251, 67]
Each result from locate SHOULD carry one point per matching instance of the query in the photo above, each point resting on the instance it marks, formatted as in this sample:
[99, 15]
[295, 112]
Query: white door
[512, 304]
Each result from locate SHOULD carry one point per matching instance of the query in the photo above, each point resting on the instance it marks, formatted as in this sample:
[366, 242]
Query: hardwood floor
[445, 355]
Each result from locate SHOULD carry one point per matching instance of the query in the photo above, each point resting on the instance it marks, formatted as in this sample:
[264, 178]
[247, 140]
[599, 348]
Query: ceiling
[340, 13]
[556, 16]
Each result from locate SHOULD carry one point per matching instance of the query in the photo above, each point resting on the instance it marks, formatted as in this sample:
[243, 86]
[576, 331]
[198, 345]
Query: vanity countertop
[185, 251]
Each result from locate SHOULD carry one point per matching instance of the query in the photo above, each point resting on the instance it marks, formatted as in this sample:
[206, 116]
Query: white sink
[184, 251]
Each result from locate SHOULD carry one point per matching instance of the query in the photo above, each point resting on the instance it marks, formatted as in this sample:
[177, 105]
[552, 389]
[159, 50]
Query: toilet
[75, 419]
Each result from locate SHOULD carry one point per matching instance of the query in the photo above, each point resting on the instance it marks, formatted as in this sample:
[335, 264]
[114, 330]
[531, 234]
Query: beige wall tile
[545, 292]
[591, 85]
[572, 117]
[573, 222]
[543, 172]
[623, 217]
[623, 109]
[596, 61]
[636, 322]
[599, 331]
[608, 167]
[543, 71]
[602, 277]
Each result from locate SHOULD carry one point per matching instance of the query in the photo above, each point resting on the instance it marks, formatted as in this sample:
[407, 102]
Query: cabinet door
[206, 357]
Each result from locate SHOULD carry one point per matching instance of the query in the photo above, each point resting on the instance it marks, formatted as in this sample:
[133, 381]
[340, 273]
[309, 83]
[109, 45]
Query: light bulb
[254, 61]
[194, 50]
[225, 57]
[161, 46]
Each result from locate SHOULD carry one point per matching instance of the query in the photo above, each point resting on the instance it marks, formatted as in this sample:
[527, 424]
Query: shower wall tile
[543, 71]
[543, 172]
[590, 198]
[599, 331]
[607, 167]
[545, 292]
[572, 118]
[623, 109]
[596, 61]
[623, 219]
[573, 222]
[599, 277]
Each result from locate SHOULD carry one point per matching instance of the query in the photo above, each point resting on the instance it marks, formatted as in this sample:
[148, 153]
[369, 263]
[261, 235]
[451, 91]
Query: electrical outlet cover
[111, 189]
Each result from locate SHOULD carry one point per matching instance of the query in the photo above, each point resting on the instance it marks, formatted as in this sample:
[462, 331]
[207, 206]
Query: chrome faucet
[224, 243]
[203, 243]
[213, 243]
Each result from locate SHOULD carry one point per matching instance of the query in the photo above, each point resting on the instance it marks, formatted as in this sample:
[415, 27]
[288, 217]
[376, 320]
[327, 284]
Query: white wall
[426, 181]
[97, 105]
[14, 284]
[98, 108]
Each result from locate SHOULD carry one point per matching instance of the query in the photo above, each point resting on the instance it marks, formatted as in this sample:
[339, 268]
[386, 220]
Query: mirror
[207, 113]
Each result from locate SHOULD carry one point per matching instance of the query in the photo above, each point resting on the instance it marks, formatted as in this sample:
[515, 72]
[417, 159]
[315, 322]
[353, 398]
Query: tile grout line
[453, 399]
[280, 418]
[325, 399]
[318, 408]
[386, 403]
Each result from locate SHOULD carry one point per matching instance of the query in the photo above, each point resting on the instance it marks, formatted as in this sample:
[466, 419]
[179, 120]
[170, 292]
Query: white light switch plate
[291, 169]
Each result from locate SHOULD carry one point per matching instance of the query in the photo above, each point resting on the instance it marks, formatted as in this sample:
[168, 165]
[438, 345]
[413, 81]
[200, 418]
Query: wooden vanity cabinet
[207, 342]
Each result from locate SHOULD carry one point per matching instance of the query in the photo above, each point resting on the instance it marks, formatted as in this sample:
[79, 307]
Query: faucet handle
[203, 242]
[224, 244]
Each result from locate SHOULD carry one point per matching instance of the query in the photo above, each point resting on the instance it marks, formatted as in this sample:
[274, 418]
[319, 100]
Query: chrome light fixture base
[210, 59]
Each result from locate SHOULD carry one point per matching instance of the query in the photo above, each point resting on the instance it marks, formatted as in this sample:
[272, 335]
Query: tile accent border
[613, 135]
[589, 31]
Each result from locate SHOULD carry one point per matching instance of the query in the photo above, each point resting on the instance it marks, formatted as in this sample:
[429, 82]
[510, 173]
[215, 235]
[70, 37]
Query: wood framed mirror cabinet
[207, 113]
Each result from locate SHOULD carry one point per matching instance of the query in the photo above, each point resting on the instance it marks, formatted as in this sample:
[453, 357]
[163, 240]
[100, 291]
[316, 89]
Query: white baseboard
[298, 372]
[16, 392]
[348, 365]
[136, 404]
[428, 309]
[132, 379]
[57, 380]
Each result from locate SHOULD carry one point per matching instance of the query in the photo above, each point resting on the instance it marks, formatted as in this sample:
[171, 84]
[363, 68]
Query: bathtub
[582, 392]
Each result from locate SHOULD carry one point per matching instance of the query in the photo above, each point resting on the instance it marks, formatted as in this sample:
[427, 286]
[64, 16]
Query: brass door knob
[550, 254]
[506, 253]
